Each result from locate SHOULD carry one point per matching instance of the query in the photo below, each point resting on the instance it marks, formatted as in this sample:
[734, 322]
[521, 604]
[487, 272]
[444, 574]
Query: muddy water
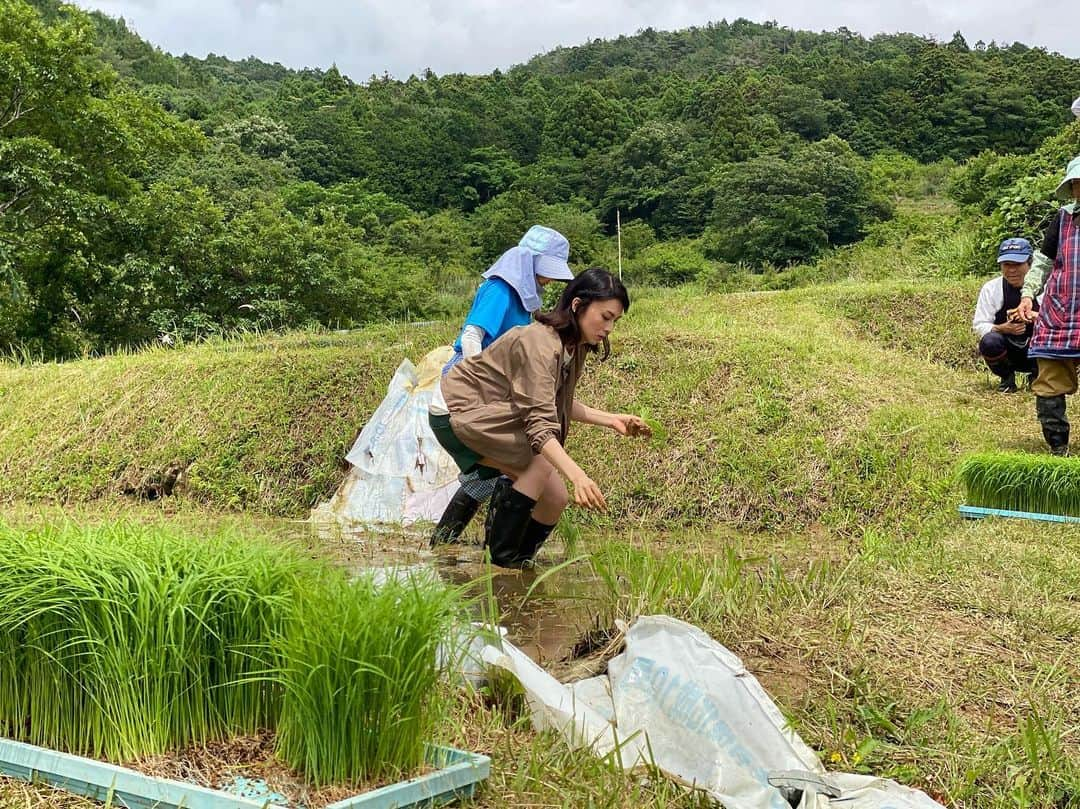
[545, 611]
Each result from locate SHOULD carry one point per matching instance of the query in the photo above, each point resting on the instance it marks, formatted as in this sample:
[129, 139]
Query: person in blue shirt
[509, 296]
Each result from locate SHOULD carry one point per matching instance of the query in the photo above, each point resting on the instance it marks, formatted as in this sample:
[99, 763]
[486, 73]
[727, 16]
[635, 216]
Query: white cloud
[366, 37]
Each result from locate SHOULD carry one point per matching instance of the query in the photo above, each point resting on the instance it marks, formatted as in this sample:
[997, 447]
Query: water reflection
[545, 611]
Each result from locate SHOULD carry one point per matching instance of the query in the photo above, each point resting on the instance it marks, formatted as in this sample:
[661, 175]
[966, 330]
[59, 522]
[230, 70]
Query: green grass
[836, 405]
[943, 660]
[255, 423]
[801, 508]
[1040, 484]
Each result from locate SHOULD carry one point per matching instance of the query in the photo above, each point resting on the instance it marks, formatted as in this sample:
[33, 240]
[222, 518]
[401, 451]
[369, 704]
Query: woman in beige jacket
[510, 409]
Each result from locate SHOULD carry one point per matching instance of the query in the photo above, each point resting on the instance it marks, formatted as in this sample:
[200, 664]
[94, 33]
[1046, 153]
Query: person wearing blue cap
[1003, 336]
[1055, 341]
[509, 296]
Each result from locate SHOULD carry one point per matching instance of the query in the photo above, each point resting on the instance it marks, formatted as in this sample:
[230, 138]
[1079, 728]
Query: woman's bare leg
[553, 500]
[540, 482]
[529, 481]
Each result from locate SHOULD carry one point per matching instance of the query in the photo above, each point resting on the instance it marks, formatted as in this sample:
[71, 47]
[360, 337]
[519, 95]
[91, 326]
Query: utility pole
[618, 239]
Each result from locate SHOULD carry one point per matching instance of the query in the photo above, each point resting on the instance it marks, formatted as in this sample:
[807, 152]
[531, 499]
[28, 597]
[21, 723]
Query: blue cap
[1018, 250]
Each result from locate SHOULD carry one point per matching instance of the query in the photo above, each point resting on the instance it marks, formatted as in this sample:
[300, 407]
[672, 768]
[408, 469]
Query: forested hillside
[143, 194]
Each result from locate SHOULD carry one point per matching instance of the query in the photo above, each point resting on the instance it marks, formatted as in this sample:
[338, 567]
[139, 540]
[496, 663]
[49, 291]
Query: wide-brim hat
[1072, 172]
[551, 252]
[552, 267]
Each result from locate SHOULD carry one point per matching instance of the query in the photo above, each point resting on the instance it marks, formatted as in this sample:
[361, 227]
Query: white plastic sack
[868, 792]
[681, 701]
[708, 720]
[397, 440]
[400, 474]
[553, 705]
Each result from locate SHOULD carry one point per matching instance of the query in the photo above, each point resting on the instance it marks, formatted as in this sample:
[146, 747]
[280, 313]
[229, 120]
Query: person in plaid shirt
[1055, 341]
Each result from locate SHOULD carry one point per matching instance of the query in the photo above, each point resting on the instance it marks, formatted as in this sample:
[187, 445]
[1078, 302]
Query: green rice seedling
[570, 531]
[359, 672]
[659, 431]
[696, 587]
[122, 641]
[1041, 484]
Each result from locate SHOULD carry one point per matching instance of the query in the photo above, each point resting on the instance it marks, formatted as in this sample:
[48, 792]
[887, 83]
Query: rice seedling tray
[457, 775]
[977, 513]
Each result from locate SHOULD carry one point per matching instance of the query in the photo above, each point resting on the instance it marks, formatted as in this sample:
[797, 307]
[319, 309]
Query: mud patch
[164, 483]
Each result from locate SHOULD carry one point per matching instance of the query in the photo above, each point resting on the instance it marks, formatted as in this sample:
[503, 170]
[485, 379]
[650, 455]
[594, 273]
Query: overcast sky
[365, 37]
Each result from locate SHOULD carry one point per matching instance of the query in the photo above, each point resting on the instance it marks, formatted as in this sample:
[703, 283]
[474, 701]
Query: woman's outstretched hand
[625, 424]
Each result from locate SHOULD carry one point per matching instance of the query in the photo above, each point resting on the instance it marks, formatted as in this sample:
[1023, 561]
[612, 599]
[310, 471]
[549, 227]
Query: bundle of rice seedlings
[359, 671]
[1041, 484]
[125, 641]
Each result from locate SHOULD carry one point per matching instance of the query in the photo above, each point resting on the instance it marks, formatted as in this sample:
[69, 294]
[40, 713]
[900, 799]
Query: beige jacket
[516, 395]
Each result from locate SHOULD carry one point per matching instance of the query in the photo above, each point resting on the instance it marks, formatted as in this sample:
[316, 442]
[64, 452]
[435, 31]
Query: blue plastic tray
[977, 513]
[457, 777]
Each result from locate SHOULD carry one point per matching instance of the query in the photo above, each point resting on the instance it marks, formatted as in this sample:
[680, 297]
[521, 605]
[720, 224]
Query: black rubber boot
[508, 516]
[1003, 370]
[1055, 426]
[536, 534]
[459, 511]
[1008, 384]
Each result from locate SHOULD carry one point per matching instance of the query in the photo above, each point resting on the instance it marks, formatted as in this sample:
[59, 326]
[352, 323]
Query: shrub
[669, 262]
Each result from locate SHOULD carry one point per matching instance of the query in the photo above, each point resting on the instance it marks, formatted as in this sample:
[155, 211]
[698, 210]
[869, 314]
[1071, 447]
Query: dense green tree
[767, 210]
[442, 241]
[259, 135]
[501, 223]
[489, 172]
[582, 121]
[75, 143]
[141, 192]
[777, 210]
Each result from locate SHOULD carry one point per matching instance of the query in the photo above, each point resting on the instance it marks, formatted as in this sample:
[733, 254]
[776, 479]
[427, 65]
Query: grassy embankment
[842, 406]
[823, 424]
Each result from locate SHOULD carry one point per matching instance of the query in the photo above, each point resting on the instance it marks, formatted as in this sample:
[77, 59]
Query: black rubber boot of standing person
[509, 513]
[1055, 426]
[459, 511]
[536, 534]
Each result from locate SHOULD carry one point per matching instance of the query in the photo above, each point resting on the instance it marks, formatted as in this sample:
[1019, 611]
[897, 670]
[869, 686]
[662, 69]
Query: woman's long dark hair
[595, 284]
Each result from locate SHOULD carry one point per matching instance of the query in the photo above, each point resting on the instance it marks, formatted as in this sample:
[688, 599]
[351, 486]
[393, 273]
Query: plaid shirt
[1057, 331]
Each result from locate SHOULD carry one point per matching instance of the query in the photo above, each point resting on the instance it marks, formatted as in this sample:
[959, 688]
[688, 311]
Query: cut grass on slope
[782, 410]
[257, 423]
